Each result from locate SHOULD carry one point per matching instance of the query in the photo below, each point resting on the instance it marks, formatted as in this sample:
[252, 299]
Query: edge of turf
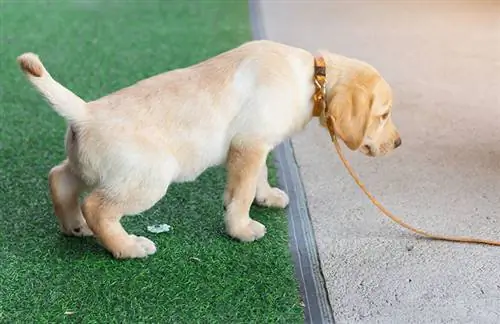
[317, 307]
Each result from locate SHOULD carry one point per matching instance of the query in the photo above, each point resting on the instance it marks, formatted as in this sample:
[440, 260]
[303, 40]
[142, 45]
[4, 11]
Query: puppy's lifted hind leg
[65, 188]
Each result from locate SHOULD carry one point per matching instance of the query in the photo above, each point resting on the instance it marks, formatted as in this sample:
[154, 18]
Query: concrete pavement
[443, 61]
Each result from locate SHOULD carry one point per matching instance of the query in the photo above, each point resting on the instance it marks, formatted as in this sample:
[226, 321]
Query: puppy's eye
[384, 116]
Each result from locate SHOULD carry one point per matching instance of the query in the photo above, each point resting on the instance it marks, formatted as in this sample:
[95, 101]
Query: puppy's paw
[76, 229]
[135, 247]
[273, 198]
[247, 232]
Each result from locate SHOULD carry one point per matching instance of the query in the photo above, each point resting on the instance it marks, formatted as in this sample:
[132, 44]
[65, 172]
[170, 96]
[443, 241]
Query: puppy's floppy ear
[351, 107]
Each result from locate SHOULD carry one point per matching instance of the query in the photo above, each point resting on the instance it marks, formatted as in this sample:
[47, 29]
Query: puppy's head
[360, 101]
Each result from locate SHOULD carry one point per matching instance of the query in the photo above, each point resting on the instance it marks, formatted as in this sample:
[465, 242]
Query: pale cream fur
[126, 148]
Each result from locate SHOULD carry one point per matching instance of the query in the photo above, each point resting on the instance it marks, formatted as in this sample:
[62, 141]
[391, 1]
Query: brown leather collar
[319, 96]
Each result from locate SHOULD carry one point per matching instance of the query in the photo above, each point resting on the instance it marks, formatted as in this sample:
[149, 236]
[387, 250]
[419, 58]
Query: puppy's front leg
[243, 165]
[268, 196]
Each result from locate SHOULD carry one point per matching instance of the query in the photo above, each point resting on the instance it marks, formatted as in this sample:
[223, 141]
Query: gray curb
[317, 307]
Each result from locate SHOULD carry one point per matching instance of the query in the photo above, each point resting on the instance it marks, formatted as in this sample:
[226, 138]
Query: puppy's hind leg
[65, 187]
[104, 207]
[103, 216]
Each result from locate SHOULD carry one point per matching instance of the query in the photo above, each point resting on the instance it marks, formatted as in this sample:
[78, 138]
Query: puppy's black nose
[397, 142]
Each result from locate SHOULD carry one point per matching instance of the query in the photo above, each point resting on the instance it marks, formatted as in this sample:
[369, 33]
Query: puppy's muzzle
[397, 142]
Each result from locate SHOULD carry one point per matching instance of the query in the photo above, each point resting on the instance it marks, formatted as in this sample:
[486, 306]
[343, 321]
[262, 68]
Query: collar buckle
[319, 96]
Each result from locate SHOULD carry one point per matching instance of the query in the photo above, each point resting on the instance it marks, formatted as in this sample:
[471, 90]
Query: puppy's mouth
[382, 150]
[367, 150]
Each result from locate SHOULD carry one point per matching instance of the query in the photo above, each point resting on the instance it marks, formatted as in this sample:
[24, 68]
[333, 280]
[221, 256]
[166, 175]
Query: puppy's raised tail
[65, 102]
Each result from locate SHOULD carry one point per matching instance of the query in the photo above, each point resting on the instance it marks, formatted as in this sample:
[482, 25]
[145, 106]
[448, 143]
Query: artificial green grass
[198, 275]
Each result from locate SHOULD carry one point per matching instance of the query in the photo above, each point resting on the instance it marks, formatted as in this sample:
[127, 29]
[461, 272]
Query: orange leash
[331, 130]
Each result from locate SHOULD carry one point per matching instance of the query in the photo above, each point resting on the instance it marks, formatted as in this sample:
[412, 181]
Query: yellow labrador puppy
[126, 148]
